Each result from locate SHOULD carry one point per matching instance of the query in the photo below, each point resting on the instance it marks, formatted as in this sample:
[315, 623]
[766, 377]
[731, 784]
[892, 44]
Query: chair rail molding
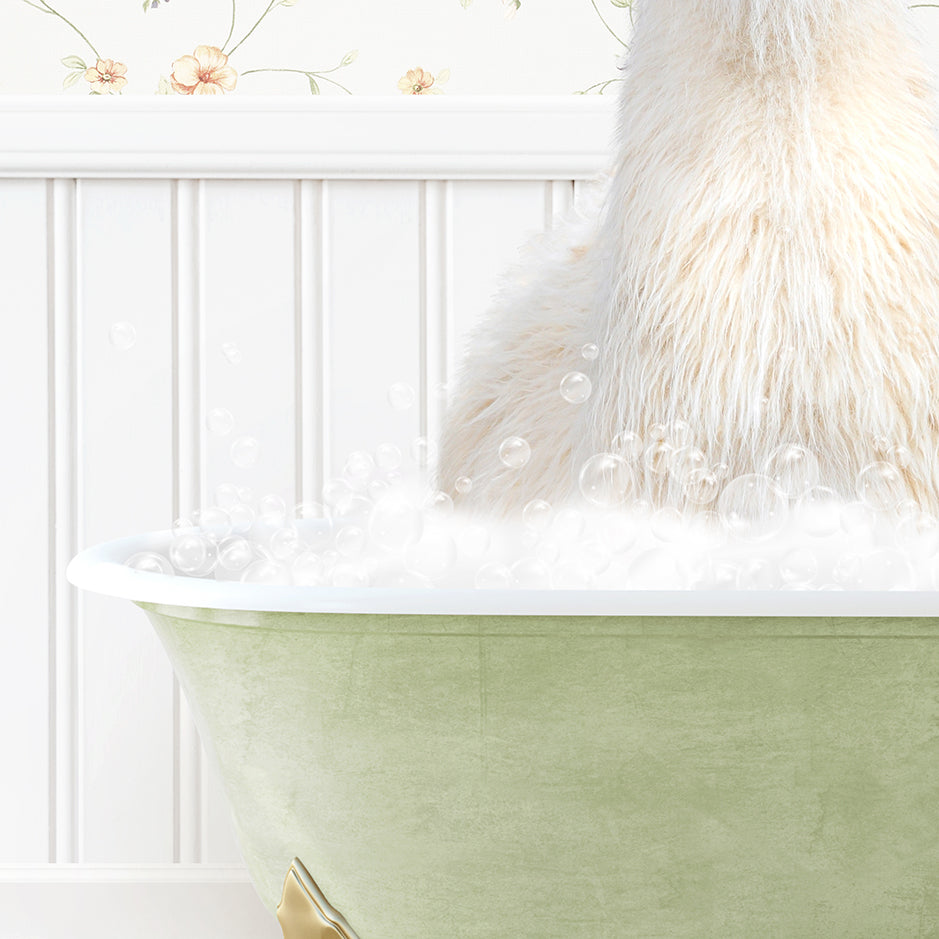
[410, 137]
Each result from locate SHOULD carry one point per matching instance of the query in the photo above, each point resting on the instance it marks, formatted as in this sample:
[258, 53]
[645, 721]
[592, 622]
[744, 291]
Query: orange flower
[418, 82]
[107, 76]
[205, 72]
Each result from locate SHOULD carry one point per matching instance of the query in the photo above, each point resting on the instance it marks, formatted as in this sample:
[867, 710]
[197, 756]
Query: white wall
[333, 288]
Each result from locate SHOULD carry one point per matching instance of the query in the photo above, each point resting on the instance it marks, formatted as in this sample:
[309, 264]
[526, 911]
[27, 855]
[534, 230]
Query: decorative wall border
[288, 138]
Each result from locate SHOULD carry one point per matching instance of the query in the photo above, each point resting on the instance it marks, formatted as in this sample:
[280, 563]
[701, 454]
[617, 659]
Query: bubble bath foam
[763, 267]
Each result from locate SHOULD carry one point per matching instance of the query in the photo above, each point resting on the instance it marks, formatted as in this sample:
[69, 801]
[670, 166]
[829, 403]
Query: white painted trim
[409, 137]
[124, 873]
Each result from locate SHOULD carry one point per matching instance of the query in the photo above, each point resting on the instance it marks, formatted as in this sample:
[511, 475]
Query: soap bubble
[308, 569]
[667, 524]
[395, 523]
[568, 524]
[607, 480]
[235, 553]
[401, 396]
[150, 563]
[918, 534]
[438, 504]
[537, 514]
[628, 445]
[701, 486]
[758, 573]
[885, 569]
[337, 492]
[618, 531]
[514, 452]
[752, 507]
[793, 469]
[349, 576]
[423, 452]
[388, 457]
[192, 553]
[265, 571]
[880, 486]
[678, 434]
[589, 351]
[657, 569]
[687, 460]
[231, 353]
[272, 507]
[900, 456]
[798, 566]
[285, 543]
[658, 458]
[493, 576]
[359, 466]
[857, 519]
[242, 518]
[575, 387]
[463, 485]
[122, 336]
[220, 421]
[226, 495]
[215, 523]
[531, 574]
[818, 512]
[245, 451]
[473, 541]
[434, 555]
[350, 541]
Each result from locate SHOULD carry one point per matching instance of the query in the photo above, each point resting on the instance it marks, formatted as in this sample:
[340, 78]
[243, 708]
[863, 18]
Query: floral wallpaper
[414, 47]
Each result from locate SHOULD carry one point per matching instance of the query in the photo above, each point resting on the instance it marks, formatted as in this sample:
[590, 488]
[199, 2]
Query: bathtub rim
[101, 569]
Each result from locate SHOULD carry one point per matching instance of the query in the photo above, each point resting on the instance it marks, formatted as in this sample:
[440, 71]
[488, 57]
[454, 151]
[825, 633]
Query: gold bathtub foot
[304, 912]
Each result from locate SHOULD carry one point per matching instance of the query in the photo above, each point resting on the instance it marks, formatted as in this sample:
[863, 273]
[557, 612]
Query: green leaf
[443, 76]
[71, 79]
[314, 88]
[164, 87]
[350, 57]
[465, 3]
[74, 61]
[288, 3]
[146, 5]
[622, 4]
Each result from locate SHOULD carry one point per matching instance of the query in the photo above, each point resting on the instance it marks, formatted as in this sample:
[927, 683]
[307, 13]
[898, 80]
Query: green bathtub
[588, 766]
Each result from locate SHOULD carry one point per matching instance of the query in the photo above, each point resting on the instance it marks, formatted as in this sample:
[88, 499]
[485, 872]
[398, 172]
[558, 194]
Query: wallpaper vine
[414, 47]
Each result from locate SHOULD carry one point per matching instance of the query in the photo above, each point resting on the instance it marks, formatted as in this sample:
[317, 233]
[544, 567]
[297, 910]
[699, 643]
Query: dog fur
[764, 264]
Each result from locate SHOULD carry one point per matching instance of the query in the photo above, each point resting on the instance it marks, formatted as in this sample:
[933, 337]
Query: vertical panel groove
[65, 711]
[188, 462]
[436, 308]
[310, 269]
[559, 200]
[323, 263]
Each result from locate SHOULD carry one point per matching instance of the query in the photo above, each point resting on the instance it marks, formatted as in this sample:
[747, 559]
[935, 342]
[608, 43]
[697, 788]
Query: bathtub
[566, 765]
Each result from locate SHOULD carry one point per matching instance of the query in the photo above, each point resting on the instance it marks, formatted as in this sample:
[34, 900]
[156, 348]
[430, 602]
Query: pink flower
[205, 72]
[418, 82]
[107, 76]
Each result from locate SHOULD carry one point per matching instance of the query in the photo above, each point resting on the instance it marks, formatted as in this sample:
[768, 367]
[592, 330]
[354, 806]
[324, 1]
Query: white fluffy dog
[764, 267]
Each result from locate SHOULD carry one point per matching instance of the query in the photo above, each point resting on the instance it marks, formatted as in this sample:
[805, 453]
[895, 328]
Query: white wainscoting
[343, 247]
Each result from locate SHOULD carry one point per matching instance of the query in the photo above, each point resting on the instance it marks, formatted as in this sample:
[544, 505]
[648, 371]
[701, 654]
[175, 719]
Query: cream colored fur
[765, 265]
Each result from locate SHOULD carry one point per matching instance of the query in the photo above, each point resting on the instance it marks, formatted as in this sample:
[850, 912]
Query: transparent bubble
[192, 553]
[473, 541]
[687, 460]
[548, 551]
[657, 569]
[272, 507]
[242, 518]
[900, 456]
[337, 492]
[721, 471]
[607, 480]
[848, 571]
[701, 486]
[758, 573]
[514, 452]
[388, 457]
[220, 421]
[918, 534]
[423, 452]
[531, 574]
[590, 351]
[395, 523]
[359, 466]
[310, 510]
[122, 336]
[401, 396]
[880, 443]
[308, 569]
[463, 485]
[440, 391]
[793, 469]
[235, 554]
[752, 507]
[618, 531]
[572, 574]
[349, 576]
[245, 451]
[594, 556]
[150, 563]
[658, 458]
[678, 434]
[215, 523]
[818, 512]
[880, 485]
[434, 555]
[568, 525]
[628, 445]
[885, 569]
[857, 519]
[576, 387]
[537, 514]
[226, 495]
[667, 524]
[231, 353]
[657, 433]
[438, 504]
[285, 543]
[798, 566]
[493, 576]
[350, 541]
[265, 571]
